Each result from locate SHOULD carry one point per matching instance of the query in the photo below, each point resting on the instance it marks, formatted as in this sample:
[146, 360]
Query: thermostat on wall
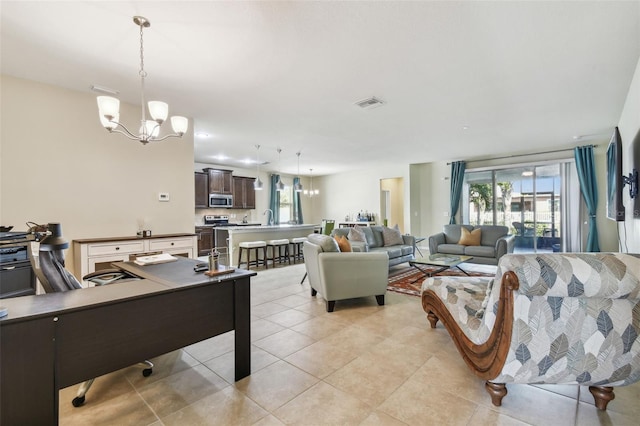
[163, 196]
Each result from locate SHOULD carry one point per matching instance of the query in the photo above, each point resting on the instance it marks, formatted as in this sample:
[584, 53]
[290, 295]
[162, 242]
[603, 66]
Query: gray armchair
[340, 276]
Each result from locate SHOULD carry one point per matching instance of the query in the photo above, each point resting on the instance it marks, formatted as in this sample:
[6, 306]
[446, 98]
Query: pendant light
[279, 184]
[311, 192]
[257, 183]
[297, 187]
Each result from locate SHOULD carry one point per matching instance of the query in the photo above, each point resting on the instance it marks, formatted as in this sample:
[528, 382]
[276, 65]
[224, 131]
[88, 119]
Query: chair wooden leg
[380, 299]
[240, 257]
[331, 304]
[313, 292]
[497, 391]
[433, 319]
[602, 395]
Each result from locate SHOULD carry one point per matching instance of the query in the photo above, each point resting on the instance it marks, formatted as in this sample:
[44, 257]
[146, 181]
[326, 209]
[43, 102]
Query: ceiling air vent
[369, 103]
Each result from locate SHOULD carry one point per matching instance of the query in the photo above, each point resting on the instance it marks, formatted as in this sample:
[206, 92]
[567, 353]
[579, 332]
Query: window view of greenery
[286, 204]
[526, 199]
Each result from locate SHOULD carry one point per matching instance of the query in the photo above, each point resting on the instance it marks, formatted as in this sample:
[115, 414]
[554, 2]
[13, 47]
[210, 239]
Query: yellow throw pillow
[470, 238]
[343, 243]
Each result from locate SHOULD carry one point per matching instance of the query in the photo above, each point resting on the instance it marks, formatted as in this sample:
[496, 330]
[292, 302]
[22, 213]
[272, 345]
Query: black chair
[48, 265]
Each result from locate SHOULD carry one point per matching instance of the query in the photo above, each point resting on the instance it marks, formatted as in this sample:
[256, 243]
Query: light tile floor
[363, 364]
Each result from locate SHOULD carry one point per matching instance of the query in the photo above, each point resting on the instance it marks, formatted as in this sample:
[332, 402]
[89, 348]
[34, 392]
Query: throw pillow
[392, 236]
[343, 243]
[470, 238]
[356, 234]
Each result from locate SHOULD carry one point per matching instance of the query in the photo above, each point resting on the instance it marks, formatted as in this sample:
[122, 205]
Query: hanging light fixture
[257, 184]
[311, 192]
[109, 108]
[279, 184]
[297, 187]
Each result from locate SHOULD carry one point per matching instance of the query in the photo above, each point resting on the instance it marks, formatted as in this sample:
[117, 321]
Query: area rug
[401, 281]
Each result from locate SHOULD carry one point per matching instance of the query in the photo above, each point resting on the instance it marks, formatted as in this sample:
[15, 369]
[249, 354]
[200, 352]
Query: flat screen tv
[615, 208]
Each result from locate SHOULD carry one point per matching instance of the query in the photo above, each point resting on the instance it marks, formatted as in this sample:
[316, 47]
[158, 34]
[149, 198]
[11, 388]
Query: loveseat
[339, 276]
[560, 318]
[399, 251]
[495, 242]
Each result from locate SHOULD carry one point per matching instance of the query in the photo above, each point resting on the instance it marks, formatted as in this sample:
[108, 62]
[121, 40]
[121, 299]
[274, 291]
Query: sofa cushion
[326, 243]
[491, 234]
[343, 244]
[392, 236]
[356, 234]
[376, 232]
[480, 251]
[406, 250]
[371, 239]
[395, 251]
[451, 249]
[452, 233]
[470, 238]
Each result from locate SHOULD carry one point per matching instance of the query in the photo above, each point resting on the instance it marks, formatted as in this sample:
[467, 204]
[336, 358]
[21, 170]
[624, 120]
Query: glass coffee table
[441, 261]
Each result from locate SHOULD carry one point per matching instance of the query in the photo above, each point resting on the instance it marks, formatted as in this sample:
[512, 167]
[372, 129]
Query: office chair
[48, 265]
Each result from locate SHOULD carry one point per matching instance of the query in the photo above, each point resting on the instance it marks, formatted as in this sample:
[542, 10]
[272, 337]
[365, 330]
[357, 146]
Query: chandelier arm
[172, 135]
[126, 131]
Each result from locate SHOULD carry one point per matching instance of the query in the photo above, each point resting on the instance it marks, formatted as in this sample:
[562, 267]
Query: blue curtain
[297, 202]
[274, 199]
[588, 186]
[457, 176]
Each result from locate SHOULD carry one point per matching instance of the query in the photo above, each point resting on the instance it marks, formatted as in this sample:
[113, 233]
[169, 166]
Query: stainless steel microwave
[221, 201]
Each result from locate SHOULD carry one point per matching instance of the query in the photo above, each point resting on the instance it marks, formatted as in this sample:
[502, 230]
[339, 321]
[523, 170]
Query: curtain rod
[523, 155]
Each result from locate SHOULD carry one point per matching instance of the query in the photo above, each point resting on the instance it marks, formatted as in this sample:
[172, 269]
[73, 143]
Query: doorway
[392, 202]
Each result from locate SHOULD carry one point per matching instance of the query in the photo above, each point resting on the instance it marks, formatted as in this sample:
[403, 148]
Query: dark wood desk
[51, 341]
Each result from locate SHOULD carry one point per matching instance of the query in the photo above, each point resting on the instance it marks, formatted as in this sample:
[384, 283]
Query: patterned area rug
[401, 281]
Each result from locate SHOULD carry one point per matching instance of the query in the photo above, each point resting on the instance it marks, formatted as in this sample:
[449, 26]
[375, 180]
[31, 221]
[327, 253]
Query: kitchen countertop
[266, 227]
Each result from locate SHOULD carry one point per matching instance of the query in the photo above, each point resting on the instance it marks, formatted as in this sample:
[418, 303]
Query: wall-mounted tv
[615, 208]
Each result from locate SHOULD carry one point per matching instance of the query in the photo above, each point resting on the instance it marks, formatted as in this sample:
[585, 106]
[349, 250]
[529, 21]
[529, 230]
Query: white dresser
[94, 254]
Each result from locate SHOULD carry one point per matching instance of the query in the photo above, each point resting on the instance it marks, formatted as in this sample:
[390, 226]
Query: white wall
[58, 164]
[629, 126]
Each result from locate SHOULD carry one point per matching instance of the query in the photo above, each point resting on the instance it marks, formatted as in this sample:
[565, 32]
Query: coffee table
[442, 261]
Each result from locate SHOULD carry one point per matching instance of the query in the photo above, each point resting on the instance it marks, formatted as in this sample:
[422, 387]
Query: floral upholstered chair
[561, 318]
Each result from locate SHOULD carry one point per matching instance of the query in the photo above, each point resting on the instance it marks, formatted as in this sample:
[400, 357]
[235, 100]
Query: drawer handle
[117, 248]
[172, 244]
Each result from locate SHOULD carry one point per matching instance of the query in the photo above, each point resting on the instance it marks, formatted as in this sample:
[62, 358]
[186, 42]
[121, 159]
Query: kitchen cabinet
[94, 254]
[244, 196]
[201, 180]
[220, 181]
[205, 239]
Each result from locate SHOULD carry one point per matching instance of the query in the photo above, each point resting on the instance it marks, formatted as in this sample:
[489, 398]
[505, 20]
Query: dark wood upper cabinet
[220, 181]
[202, 190]
[244, 196]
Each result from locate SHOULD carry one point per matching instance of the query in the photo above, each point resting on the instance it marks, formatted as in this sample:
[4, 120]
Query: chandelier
[279, 184]
[311, 192]
[109, 108]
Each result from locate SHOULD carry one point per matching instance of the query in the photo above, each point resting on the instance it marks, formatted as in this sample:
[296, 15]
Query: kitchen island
[239, 234]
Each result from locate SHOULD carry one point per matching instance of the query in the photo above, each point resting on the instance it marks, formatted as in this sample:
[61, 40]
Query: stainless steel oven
[224, 201]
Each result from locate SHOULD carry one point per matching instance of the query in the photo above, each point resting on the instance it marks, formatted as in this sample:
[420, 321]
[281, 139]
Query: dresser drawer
[116, 248]
[170, 243]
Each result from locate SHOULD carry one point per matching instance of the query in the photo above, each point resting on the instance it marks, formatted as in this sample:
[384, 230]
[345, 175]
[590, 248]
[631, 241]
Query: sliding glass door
[527, 199]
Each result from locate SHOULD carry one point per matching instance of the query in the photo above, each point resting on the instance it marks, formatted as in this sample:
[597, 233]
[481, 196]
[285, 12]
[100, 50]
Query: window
[532, 200]
[286, 204]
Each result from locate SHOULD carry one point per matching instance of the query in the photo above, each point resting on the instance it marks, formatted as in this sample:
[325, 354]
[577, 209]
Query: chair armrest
[435, 241]
[505, 245]
[410, 240]
[348, 275]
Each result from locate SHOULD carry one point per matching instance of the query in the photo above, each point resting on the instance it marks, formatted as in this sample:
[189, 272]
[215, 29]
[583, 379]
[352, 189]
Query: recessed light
[465, 127]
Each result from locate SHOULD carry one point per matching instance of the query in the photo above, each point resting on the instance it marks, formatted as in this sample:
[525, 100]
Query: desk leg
[242, 320]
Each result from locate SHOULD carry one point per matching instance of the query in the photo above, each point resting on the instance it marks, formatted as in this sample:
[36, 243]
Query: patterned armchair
[561, 318]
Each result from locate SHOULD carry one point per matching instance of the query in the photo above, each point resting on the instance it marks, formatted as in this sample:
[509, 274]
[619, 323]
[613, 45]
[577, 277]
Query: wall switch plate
[163, 196]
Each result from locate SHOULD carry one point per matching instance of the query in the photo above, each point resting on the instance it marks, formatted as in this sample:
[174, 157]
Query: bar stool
[282, 246]
[297, 243]
[256, 246]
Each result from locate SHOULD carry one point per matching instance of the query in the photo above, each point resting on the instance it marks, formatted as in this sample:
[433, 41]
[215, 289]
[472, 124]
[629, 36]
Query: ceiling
[459, 79]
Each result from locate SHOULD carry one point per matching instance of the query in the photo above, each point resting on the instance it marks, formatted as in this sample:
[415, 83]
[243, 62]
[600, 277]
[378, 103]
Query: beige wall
[395, 186]
[58, 164]
[629, 126]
